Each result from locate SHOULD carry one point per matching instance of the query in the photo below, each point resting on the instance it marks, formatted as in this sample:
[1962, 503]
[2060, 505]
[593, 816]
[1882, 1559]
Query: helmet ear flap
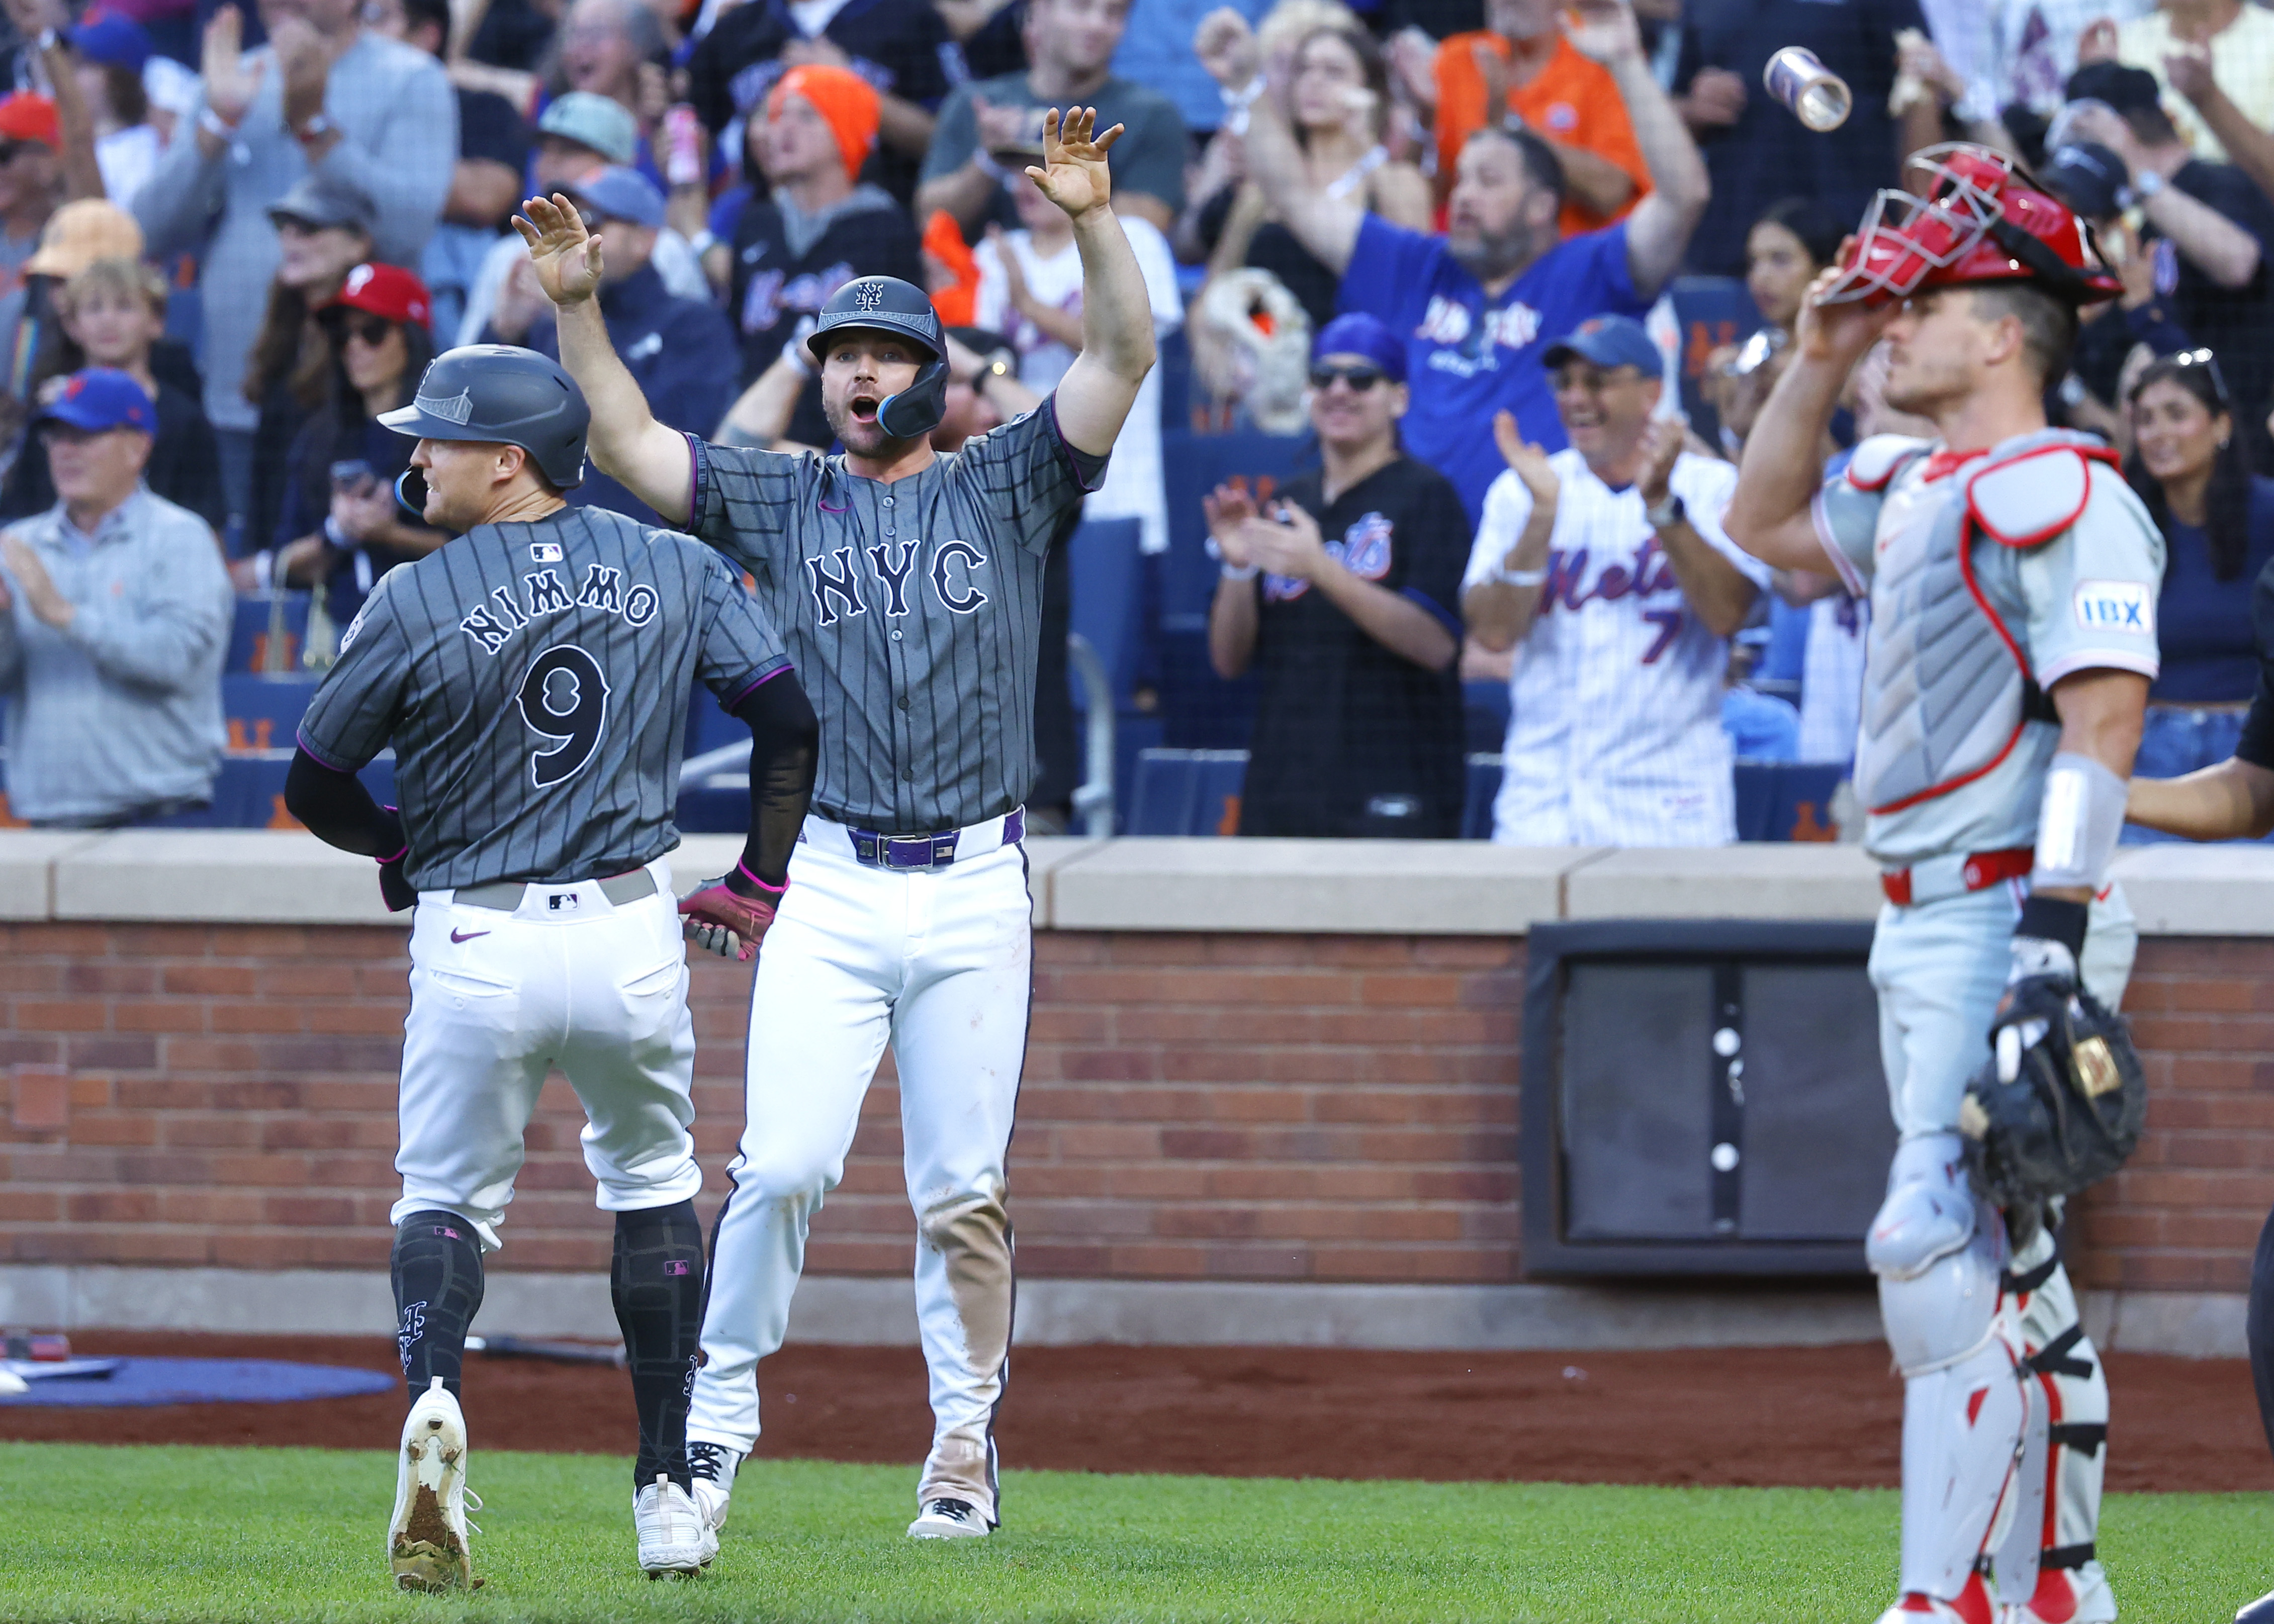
[410, 492]
[915, 411]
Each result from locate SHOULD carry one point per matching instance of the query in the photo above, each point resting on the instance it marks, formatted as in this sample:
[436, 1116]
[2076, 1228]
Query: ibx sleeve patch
[2116, 606]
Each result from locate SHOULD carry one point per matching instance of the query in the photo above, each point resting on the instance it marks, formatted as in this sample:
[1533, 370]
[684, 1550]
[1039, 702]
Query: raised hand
[1227, 49]
[566, 258]
[2098, 43]
[1073, 174]
[231, 81]
[1001, 128]
[1602, 31]
[1662, 442]
[1287, 543]
[1838, 333]
[2187, 70]
[1229, 507]
[1529, 461]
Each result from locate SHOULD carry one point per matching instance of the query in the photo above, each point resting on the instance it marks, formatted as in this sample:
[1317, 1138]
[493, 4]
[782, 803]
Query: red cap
[25, 116]
[386, 290]
[1983, 220]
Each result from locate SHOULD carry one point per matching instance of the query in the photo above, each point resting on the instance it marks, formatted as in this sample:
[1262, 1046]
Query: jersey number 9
[563, 698]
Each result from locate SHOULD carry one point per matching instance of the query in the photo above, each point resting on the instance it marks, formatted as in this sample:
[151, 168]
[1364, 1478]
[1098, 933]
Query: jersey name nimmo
[493, 622]
[834, 580]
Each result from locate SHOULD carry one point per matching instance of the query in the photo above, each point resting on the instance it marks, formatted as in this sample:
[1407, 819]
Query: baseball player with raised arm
[909, 585]
[2013, 578]
[1605, 567]
[532, 676]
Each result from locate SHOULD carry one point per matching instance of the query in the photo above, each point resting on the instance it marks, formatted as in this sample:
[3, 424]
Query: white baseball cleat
[947, 1518]
[427, 1537]
[674, 1538]
[712, 1467]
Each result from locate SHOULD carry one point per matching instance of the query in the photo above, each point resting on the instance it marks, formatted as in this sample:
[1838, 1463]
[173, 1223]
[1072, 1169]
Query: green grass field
[90, 1533]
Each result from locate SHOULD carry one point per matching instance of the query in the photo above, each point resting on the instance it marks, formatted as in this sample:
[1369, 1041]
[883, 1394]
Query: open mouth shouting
[863, 410]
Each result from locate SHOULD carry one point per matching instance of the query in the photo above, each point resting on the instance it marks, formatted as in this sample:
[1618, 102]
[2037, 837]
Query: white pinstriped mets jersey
[1615, 707]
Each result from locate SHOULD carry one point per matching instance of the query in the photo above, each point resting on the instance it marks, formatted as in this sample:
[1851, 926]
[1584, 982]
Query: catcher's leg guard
[1937, 1252]
[2063, 1501]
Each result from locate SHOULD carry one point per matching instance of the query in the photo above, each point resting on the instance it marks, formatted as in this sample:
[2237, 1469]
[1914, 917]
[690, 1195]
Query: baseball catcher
[2013, 578]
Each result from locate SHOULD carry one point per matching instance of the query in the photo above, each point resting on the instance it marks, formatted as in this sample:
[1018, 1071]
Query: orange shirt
[1572, 102]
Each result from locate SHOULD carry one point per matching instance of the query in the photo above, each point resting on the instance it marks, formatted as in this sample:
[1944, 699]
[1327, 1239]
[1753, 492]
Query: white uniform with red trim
[1991, 576]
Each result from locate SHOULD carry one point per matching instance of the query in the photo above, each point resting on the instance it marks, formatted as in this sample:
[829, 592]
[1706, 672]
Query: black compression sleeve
[784, 741]
[339, 810]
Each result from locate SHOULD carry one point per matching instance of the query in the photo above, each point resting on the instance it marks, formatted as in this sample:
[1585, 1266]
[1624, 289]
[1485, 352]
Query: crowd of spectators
[1444, 242]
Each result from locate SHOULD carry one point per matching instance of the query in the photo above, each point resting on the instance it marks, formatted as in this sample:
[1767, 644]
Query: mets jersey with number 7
[1614, 706]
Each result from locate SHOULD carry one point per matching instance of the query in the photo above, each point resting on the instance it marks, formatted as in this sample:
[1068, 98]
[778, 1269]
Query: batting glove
[729, 916]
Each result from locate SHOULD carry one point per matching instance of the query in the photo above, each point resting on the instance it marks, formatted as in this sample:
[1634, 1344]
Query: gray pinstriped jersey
[913, 610]
[534, 679]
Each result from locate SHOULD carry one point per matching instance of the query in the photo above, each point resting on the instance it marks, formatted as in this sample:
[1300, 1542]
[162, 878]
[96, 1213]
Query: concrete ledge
[229, 876]
[878, 1312]
[28, 865]
[2199, 890]
[1794, 882]
[1364, 887]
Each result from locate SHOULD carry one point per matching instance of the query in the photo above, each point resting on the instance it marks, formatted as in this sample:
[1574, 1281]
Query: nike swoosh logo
[825, 508]
[466, 936]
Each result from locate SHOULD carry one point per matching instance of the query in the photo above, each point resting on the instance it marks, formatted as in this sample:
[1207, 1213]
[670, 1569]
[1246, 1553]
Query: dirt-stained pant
[939, 963]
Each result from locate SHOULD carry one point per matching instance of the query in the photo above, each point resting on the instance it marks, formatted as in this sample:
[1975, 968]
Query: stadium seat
[1484, 785]
[1712, 312]
[258, 615]
[1187, 792]
[1787, 801]
[263, 711]
[1174, 369]
[1108, 599]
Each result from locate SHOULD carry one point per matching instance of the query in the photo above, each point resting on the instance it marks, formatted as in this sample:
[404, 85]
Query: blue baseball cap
[620, 193]
[100, 398]
[111, 38]
[1359, 333]
[1609, 341]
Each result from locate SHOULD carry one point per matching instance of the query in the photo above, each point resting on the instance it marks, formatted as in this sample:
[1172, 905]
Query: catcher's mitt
[2067, 1120]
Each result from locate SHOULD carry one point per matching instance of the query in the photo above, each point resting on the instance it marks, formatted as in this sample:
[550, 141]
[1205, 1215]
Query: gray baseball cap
[619, 193]
[593, 120]
[320, 202]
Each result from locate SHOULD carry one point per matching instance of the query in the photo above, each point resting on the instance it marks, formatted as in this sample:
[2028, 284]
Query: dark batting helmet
[887, 305]
[513, 396]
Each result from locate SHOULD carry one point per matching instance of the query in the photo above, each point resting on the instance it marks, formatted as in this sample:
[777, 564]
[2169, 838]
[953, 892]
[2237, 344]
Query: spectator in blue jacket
[680, 352]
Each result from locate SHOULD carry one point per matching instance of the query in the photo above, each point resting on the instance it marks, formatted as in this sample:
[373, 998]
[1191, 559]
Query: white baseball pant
[1940, 968]
[498, 999]
[938, 963]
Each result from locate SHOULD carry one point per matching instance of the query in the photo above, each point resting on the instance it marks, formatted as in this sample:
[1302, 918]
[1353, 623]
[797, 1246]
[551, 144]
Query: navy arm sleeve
[784, 737]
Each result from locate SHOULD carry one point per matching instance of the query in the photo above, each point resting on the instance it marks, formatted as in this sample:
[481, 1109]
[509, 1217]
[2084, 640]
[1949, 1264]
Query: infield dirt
[1806, 1417]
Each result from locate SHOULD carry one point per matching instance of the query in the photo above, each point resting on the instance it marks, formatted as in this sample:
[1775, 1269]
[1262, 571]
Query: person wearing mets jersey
[532, 676]
[2012, 577]
[909, 586]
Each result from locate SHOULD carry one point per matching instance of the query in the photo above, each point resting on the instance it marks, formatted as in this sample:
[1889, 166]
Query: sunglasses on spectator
[9, 151]
[371, 329]
[2209, 362]
[1360, 379]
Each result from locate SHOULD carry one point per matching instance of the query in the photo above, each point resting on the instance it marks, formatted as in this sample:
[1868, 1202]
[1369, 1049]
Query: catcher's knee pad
[1936, 1254]
[2065, 1370]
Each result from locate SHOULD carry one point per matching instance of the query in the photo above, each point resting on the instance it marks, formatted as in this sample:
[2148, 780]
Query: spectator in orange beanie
[821, 227]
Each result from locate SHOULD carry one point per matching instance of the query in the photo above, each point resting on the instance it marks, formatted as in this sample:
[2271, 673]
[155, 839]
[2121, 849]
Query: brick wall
[1226, 1107]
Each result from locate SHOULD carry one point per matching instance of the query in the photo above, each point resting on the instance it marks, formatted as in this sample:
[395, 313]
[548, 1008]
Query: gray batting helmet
[887, 305]
[497, 392]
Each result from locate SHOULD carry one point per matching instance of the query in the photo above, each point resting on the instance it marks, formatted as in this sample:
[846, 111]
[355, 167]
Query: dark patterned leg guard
[657, 1281]
[437, 1268]
[2259, 1325]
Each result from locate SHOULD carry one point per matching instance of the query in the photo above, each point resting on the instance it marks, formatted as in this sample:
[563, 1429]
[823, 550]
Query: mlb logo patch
[545, 552]
[2116, 606]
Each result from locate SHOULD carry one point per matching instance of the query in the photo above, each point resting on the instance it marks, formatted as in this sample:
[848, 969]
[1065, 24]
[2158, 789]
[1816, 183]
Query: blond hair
[121, 279]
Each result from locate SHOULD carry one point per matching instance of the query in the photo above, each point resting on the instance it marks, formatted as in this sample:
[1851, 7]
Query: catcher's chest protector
[1944, 675]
